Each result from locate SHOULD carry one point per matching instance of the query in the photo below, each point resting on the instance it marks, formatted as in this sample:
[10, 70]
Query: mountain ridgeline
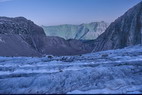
[21, 37]
[80, 32]
[124, 31]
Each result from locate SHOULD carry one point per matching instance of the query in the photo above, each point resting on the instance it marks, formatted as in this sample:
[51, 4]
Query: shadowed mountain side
[14, 45]
[125, 31]
[59, 46]
[21, 37]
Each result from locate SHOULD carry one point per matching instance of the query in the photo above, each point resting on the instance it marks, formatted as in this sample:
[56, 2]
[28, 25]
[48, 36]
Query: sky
[56, 12]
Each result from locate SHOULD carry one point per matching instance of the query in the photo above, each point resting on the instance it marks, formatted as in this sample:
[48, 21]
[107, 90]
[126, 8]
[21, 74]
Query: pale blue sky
[55, 12]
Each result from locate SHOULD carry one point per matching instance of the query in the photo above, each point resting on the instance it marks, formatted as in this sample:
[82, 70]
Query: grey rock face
[14, 45]
[21, 37]
[59, 46]
[123, 32]
[19, 25]
[88, 31]
[22, 27]
[18, 37]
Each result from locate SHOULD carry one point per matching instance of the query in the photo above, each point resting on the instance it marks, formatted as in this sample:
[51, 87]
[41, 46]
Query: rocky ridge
[124, 31]
[21, 37]
[88, 31]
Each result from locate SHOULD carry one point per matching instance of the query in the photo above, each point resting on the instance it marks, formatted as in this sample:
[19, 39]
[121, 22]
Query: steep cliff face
[26, 29]
[21, 37]
[125, 31]
[14, 45]
[20, 26]
[80, 32]
[18, 37]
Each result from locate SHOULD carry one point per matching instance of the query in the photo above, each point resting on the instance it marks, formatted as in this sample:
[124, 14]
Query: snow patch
[2, 41]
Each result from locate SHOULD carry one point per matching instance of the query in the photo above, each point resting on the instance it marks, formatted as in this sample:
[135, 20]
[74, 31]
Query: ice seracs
[119, 72]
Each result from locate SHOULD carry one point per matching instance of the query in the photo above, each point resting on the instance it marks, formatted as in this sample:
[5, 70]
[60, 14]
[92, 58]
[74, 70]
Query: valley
[93, 58]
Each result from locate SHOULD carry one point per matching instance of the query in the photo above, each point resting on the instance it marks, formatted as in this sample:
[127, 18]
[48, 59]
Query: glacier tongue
[108, 72]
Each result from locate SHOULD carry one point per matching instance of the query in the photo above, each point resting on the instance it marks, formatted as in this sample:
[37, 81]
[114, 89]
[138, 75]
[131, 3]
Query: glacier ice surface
[107, 72]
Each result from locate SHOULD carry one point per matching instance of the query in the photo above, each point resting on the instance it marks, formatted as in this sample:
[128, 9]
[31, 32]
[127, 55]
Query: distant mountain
[21, 37]
[80, 32]
[125, 31]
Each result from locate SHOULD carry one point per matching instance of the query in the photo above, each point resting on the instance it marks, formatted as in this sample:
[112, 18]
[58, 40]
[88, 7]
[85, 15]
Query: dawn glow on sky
[55, 12]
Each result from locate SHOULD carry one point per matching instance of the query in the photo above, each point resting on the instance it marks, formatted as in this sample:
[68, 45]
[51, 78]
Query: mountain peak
[124, 31]
[12, 18]
[85, 31]
[19, 25]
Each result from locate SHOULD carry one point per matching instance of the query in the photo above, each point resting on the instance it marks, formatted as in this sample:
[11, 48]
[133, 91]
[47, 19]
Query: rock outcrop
[21, 37]
[20, 26]
[14, 45]
[59, 46]
[80, 32]
[18, 37]
[123, 32]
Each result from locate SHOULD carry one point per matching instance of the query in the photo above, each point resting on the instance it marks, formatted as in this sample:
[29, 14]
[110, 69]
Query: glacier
[107, 72]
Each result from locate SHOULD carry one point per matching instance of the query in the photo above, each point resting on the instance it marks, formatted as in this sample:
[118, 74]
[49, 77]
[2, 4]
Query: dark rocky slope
[14, 45]
[125, 31]
[59, 46]
[21, 37]
[17, 37]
